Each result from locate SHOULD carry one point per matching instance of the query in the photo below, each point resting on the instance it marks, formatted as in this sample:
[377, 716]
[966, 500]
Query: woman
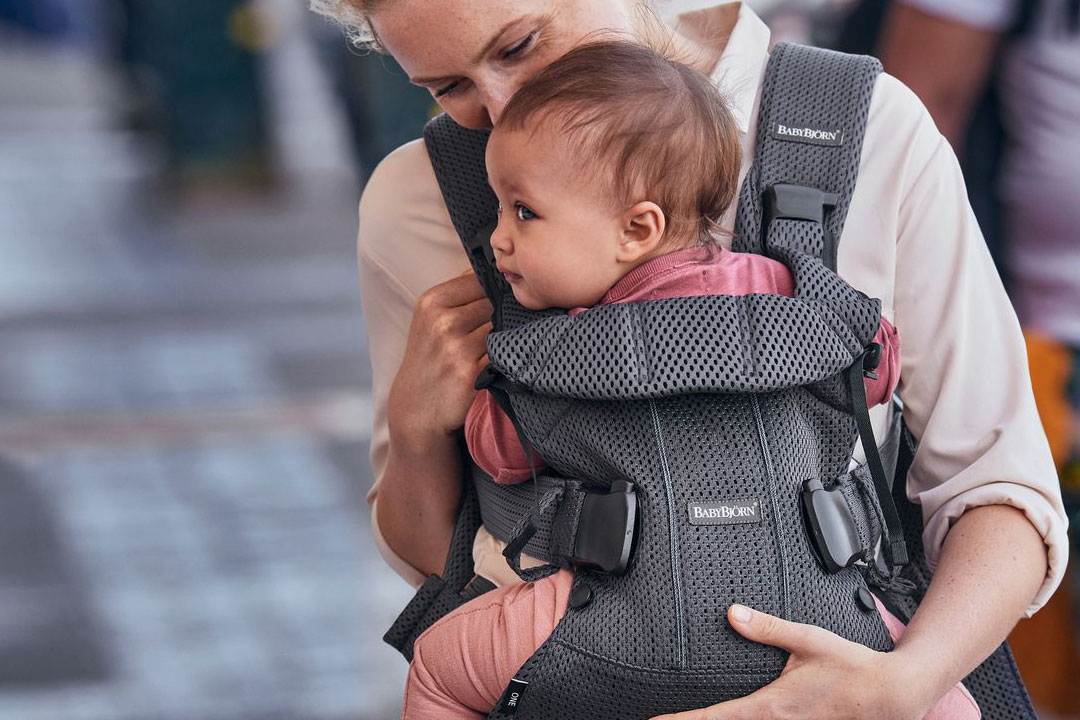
[994, 522]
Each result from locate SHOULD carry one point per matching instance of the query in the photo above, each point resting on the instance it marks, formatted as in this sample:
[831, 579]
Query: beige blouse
[910, 239]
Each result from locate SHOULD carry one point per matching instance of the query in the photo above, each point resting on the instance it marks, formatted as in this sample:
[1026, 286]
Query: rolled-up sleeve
[964, 378]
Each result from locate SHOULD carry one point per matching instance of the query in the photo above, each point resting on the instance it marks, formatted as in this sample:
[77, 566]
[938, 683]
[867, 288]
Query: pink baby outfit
[692, 272]
[463, 662]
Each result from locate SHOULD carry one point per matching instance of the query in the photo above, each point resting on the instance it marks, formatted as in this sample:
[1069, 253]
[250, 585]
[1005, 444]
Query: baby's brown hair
[658, 129]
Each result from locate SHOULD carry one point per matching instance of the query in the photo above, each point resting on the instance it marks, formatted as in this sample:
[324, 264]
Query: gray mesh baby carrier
[699, 447]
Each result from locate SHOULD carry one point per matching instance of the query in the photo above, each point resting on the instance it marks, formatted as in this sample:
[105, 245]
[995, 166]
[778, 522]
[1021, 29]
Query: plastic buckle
[784, 201]
[871, 359]
[480, 245]
[833, 535]
[605, 535]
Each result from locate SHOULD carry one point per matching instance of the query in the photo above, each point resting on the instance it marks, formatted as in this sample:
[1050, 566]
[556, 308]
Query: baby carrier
[699, 448]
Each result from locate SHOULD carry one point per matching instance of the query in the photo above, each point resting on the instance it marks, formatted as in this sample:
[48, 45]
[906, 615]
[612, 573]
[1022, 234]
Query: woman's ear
[642, 227]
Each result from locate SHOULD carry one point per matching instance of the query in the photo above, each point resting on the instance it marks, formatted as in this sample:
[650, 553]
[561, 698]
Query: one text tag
[512, 697]
[728, 512]
[813, 136]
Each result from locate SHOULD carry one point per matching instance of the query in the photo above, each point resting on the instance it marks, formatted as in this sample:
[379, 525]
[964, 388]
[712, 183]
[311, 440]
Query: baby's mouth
[512, 278]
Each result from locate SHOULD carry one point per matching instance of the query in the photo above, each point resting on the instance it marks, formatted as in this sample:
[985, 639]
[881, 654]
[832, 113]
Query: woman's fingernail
[740, 613]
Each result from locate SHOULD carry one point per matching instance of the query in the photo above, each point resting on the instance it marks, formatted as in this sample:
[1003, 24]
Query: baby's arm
[494, 444]
[880, 391]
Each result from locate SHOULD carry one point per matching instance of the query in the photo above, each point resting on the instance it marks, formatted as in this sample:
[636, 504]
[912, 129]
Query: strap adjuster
[786, 201]
[605, 535]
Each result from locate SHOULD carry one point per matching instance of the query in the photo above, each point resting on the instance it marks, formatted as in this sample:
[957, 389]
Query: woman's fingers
[474, 314]
[462, 290]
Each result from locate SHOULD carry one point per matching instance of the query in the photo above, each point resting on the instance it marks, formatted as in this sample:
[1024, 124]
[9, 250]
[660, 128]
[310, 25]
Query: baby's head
[611, 156]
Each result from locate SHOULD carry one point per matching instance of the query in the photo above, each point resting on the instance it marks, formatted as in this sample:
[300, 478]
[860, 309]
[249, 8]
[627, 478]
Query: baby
[613, 169]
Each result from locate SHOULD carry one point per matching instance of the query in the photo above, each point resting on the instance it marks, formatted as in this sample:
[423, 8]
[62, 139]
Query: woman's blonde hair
[352, 16]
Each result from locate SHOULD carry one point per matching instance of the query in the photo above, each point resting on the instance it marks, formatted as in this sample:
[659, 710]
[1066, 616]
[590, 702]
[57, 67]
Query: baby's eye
[523, 212]
[498, 209]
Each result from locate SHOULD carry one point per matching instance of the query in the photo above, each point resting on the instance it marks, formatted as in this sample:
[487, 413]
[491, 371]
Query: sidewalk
[183, 433]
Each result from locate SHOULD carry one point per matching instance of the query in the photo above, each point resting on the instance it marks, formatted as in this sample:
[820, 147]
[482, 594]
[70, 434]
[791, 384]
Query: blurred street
[183, 418]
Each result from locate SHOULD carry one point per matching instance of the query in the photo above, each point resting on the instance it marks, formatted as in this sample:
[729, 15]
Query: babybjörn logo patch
[813, 136]
[727, 512]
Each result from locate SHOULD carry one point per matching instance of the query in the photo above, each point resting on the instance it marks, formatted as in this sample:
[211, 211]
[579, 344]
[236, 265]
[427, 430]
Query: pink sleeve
[957, 704]
[494, 444]
[880, 391]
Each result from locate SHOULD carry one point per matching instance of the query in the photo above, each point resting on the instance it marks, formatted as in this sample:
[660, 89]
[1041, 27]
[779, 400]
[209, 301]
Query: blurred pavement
[184, 413]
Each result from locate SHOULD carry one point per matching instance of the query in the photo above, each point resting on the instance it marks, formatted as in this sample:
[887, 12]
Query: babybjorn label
[813, 136]
[512, 697]
[728, 512]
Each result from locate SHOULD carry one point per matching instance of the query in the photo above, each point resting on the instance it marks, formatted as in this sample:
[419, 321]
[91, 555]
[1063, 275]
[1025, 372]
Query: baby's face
[558, 235]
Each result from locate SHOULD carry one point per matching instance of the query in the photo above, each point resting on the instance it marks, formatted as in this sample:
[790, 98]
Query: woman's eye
[519, 47]
[447, 89]
[524, 213]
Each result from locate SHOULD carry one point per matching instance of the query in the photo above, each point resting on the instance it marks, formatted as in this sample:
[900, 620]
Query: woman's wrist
[919, 676]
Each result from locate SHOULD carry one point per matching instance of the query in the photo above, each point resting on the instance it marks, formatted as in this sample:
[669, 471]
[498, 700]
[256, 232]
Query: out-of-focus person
[1027, 53]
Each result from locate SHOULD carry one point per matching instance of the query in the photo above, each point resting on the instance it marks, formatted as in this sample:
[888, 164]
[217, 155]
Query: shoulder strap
[457, 157]
[810, 132]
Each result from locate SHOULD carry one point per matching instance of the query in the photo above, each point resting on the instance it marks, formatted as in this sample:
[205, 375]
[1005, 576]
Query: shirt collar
[741, 67]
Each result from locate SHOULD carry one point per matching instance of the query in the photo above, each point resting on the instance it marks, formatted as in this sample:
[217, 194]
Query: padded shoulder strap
[810, 132]
[457, 156]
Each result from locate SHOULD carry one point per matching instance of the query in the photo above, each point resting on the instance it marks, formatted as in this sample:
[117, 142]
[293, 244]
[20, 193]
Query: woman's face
[474, 54]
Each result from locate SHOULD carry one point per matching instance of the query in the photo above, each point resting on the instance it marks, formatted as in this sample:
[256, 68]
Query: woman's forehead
[437, 38]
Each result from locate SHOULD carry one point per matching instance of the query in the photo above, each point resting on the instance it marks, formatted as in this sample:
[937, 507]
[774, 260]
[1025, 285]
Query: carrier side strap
[810, 132]
[893, 544]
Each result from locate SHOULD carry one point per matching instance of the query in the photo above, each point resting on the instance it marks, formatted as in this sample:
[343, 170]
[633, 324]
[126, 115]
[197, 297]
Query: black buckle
[785, 201]
[479, 246]
[605, 535]
[871, 360]
[833, 536]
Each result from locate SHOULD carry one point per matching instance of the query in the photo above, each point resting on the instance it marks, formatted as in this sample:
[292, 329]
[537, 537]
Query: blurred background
[184, 384]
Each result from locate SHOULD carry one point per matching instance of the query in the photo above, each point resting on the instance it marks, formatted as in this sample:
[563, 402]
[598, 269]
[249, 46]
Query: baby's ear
[642, 227]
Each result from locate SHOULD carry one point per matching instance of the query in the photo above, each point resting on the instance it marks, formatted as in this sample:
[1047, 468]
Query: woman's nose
[495, 97]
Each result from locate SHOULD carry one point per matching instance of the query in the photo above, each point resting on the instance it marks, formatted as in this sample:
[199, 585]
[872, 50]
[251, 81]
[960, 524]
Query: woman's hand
[420, 488]
[445, 352]
[826, 677]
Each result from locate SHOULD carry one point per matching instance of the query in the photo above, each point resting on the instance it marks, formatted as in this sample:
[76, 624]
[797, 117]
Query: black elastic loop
[894, 545]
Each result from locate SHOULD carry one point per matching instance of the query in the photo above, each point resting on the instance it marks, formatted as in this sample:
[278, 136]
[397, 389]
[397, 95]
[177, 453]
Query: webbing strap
[893, 542]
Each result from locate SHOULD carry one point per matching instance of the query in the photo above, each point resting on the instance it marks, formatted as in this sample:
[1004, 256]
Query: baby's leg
[957, 704]
[462, 663]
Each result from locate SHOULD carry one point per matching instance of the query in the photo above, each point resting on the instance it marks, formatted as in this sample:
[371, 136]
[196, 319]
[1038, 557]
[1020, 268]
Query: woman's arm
[425, 323]
[421, 486]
